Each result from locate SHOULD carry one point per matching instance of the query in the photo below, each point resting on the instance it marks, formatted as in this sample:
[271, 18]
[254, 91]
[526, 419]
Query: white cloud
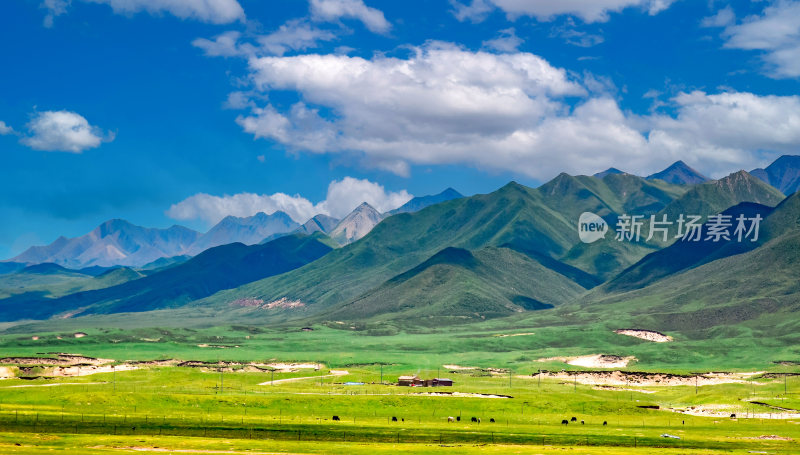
[212, 11]
[722, 18]
[588, 11]
[225, 45]
[725, 131]
[63, 131]
[294, 35]
[509, 112]
[347, 194]
[333, 10]
[476, 11]
[776, 32]
[506, 41]
[5, 129]
[54, 8]
[343, 196]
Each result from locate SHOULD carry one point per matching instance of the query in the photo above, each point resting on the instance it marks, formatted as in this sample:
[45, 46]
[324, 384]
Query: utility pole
[381, 373]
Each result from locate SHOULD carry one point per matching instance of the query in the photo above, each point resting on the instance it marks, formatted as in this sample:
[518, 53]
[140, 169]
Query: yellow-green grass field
[202, 410]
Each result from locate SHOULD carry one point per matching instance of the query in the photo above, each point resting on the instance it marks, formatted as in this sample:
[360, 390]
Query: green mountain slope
[218, 268]
[540, 223]
[755, 290]
[458, 284]
[685, 254]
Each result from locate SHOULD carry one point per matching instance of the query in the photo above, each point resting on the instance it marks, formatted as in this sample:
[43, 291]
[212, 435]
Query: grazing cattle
[336, 418]
[582, 423]
[451, 419]
[491, 420]
[458, 419]
[565, 422]
[394, 419]
[479, 420]
[574, 419]
[403, 420]
[605, 423]
[733, 416]
[474, 419]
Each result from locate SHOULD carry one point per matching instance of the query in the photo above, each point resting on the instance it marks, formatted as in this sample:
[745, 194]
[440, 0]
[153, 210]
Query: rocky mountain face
[357, 224]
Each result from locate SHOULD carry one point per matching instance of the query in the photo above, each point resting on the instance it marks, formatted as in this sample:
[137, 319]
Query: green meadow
[231, 410]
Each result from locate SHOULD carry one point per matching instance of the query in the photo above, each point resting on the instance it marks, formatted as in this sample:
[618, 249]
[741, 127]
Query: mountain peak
[418, 203]
[609, 171]
[356, 224]
[783, 174]
[679, 173]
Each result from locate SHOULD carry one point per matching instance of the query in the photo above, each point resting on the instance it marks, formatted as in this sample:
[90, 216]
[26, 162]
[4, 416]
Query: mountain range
[121, 243]
[510, 252]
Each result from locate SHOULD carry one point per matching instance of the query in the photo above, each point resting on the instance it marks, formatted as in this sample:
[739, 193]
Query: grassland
[187, 409]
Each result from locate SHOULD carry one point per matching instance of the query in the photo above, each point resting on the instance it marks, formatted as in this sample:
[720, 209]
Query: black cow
[474, 419]
[733, 416]
[458, 419]
[565, 422]
[605, 423]
[574, 419]
[336, 418]
[491, 420]
[394, 419]
[582, 423]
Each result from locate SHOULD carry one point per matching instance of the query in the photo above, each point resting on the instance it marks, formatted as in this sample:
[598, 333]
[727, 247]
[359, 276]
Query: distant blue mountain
[783, 174]
[247, 230]
[679, 173]
[115, 242]
[419, 203]
[609, 171]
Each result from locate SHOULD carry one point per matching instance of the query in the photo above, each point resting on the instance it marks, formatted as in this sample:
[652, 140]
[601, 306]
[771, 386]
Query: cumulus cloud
[294, 35]
[333, 10]
[476, 11]
[54, 8]
[506, 41]
[776, 33]
[509, 112]
[588, 11]
[5, 129]
[722, 18]
[212, 11]
[63, 131]
[343, 196]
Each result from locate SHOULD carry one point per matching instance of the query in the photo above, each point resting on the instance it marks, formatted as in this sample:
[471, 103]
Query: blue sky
[174, 111]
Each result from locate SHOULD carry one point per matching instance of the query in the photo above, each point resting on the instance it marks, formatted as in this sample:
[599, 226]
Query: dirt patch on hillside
[649, 335]
[630, 378]
[282, 303]
[459, 368]
[593, 361]
[726, 411]
[504, 335]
